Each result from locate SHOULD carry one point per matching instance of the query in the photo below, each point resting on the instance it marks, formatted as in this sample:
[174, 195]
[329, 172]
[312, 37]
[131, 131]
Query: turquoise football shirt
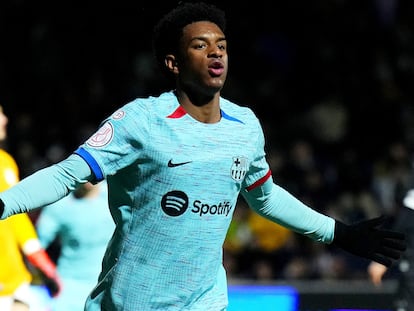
[173, 184]
[84, 227]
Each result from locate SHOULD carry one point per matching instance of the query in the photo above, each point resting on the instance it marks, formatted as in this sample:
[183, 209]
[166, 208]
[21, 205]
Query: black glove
[53, 285]
[366, 239]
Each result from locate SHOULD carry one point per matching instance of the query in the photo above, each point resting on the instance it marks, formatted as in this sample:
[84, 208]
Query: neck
[202, 108]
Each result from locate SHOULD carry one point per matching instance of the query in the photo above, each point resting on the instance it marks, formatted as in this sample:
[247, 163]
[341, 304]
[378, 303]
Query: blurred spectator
[392, 176]
[306, 174]
[19, 242]
[404, 222]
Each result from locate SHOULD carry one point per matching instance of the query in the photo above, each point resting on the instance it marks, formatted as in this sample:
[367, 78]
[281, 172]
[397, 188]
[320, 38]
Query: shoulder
[147, 105]
[242, 113]
[232, 106]
[140, 114]
[6, 159]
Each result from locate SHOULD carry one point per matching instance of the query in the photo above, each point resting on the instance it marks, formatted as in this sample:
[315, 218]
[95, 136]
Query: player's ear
[171, 63]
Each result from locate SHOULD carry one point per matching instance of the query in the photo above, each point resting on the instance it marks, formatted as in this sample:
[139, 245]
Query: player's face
[203, 59]
[3, 125]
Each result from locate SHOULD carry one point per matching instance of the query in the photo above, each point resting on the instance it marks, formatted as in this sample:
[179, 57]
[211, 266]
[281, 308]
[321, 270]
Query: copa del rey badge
[238, 168]
[102, 137]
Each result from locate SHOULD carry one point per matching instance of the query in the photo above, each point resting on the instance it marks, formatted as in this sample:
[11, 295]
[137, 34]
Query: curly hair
[169, 30]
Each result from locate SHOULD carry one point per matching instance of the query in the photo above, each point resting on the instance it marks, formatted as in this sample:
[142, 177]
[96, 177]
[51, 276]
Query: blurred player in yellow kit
[18, 238]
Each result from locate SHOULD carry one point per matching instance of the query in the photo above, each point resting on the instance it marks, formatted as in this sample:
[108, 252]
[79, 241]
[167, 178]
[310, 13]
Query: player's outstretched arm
[366, 239]
[45, 186]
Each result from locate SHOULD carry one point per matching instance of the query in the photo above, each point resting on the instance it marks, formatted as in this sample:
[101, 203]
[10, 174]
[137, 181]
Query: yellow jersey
[15, 232]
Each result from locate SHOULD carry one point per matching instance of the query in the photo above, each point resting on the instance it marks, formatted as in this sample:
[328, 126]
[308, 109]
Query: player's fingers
[399, 245]
[392, 235]
[391, 253]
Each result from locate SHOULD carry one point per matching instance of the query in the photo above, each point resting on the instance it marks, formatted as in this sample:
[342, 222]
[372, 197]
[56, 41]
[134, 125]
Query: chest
[220, 147]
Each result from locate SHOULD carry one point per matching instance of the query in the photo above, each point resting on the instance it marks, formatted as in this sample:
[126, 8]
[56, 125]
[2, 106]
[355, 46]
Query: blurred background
[331, 80]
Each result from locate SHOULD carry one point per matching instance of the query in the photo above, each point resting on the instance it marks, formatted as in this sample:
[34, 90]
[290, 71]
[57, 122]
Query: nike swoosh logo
[171, 164]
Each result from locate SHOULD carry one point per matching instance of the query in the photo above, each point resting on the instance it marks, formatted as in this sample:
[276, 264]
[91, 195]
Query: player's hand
[366, 239]
[53, 284]
[376, 272]
[41, 260]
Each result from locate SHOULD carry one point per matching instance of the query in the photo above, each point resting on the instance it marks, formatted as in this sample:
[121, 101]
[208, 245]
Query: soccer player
[19, 241]
[175, 165]
[82, 225]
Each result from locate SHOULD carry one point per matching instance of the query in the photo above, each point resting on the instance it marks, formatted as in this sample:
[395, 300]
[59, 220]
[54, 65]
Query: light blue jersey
[84, 227]
[173, 183]
[174, 192]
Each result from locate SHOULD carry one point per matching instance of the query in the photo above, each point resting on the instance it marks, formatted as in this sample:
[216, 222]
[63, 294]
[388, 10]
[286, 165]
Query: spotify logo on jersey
[174, 203]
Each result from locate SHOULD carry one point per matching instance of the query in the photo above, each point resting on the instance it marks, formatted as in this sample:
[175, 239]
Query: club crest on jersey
[239, 168]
